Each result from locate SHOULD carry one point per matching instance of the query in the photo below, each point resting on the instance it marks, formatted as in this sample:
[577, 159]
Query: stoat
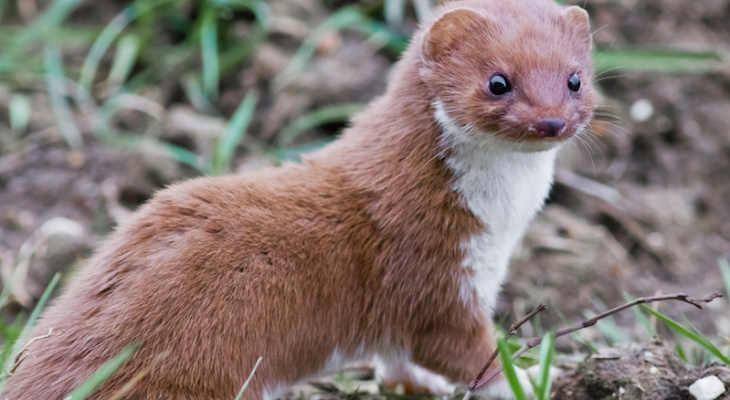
[393, 240]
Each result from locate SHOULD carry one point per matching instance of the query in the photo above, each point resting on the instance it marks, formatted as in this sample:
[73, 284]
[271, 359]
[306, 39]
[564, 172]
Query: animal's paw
[403, 377]
[500, 389]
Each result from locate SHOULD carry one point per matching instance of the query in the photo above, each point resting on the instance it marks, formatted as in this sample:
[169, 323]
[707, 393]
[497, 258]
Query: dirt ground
[640, 207]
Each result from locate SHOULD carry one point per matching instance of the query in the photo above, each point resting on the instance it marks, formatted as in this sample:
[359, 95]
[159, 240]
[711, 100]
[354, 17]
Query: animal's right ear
[447, 30]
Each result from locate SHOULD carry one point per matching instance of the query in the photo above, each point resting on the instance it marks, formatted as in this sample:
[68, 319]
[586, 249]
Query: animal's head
[516, 74]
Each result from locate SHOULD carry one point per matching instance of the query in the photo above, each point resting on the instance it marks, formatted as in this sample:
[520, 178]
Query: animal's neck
[503, 189]
[395, 157]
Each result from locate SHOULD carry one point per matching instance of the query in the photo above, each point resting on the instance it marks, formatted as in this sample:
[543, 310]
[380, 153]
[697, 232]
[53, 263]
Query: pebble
[707, 388]
[641, 110]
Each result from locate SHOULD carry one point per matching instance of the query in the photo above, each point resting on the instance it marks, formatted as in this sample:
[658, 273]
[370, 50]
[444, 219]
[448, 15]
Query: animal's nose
[549, 127]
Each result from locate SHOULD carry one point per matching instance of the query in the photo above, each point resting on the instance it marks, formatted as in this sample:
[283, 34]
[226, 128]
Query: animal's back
[206, 272]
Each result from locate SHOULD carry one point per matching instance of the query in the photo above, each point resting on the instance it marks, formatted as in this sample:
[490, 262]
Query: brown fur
[358, 245]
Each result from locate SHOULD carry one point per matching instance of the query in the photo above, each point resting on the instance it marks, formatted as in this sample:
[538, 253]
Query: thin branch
[26, 349]
[536, 341]
[512, 330]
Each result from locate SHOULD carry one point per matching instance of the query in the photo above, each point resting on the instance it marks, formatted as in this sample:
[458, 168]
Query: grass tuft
[209, 50]
[55, 82]
[690, 333]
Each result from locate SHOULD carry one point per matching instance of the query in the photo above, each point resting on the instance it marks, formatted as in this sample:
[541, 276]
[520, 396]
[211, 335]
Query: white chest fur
[502, 187]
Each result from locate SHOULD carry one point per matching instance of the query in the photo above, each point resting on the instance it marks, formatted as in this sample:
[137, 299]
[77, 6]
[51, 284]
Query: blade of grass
[233, 57]
[608, 328]
[34, 315]
[641, 317]
[395, 43]
[107, 37]
[209, 50]
[154, 147]
[423, 9]
[124, 59]
[22, 339]
[245, 384]
[101, 374]
[195, 94]
[61, 109]
[233, 134]
[10, 335]
[295, 153]
[725, 271]
[167, 150]
[324, 115]
[659, 60]
[51, 18]
[172, 58]
[19, 110]
[344, 17]
[394, 11]
[509, 371]
[680, 349]
[544, 383]
[145, 21]
[102, 43]
[697, 338]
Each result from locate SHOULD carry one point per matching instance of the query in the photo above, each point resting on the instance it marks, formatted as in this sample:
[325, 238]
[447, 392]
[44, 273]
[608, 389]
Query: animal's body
[393, 240]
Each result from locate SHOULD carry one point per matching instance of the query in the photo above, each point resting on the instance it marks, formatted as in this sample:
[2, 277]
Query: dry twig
[26, 349]
[481, 379]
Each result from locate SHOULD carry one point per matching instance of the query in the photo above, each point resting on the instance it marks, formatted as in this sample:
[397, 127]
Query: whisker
[606, 71]
[594, 32]
[603, 78]
[617, 126]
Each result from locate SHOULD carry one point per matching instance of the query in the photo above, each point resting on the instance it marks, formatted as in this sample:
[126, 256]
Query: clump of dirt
[634, 372]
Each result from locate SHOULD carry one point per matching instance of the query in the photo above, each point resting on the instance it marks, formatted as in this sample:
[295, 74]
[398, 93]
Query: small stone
[707, 388]
[653, 370]
[641, 110]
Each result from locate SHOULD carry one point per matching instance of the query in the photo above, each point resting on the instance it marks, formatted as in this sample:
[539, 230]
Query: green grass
[509, 370]
[101, 374]
[245, 384]
[208, 52]
[56, 82]
[233, 134]
[690, 333]
[19, 112]
[547, 353]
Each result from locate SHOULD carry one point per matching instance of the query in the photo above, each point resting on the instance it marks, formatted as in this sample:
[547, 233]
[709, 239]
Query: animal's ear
[447, 30]
[577, 18]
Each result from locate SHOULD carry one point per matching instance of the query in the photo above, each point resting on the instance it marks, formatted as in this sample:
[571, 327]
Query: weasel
[393, 240]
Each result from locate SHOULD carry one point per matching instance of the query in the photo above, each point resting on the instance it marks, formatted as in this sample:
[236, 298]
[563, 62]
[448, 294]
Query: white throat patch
[502, 187]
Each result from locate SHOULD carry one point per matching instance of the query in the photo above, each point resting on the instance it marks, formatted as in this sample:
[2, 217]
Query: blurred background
[104, 102]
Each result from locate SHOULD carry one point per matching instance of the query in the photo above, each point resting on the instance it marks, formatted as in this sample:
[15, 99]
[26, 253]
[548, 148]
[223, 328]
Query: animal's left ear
[577, 18]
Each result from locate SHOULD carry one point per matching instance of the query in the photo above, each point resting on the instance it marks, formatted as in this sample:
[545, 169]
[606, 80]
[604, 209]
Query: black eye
[499, 85]
[574, 83]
